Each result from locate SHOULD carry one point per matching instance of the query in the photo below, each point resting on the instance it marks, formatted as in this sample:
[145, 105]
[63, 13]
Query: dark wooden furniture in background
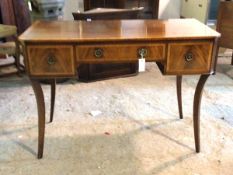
[15, 12]
[90, 72]
[225, 25]
[151, 7]
[108, 14]
[179, 47]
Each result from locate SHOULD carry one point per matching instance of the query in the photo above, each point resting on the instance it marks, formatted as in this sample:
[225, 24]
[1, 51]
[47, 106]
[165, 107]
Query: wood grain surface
[111, 53]
[200, 63]
[63, 60]
[117, 30]
[179, 47]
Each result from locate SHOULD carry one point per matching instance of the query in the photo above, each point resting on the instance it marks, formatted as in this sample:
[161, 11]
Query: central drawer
[119, 53]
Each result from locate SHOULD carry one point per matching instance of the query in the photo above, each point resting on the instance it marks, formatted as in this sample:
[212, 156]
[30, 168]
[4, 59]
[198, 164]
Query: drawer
[118, 53]
[52, 60]
[189, 58]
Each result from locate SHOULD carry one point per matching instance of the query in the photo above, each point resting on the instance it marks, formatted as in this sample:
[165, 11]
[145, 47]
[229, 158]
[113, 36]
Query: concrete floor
[137, 133]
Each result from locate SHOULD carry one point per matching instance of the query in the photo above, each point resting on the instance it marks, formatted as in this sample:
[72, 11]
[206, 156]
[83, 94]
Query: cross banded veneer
[179, 47]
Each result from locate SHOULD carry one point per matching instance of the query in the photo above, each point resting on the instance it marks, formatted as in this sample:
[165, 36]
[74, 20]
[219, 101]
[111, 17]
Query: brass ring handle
[188, 56]
[99, 53]
[142, 52]
[51, 60]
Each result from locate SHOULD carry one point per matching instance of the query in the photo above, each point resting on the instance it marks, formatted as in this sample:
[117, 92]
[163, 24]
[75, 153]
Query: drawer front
[118, 53]
[51, 60]
[189, 58]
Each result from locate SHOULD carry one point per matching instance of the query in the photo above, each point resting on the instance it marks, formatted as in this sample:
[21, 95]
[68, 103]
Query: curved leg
[196, 110]
[41, 115]
[53, 94]
[232, 59]
[179, 94]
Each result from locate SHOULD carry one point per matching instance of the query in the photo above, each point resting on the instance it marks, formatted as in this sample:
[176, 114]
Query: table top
[117, 30]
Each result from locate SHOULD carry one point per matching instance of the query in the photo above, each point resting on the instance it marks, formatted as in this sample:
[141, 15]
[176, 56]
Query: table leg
[196, 110]
[41, 115]
[179, 94]
[232, 59]
[53, 94]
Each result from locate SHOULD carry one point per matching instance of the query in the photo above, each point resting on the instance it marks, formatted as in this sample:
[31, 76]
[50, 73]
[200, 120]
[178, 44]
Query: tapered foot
[41, 115]
[196, 110]
[179, 94]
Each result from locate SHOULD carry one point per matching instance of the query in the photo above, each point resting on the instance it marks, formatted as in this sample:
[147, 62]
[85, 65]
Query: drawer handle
[99, 53]
[143, 52]
[51, 60]
[188, 56]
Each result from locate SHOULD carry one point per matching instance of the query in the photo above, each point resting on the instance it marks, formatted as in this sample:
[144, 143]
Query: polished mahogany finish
[41, 115]
[117, 30]
[119, 52]
[188, 58]
[90, 72]
[179, 47]
[196, 110]
[168, 42]
[48, 60]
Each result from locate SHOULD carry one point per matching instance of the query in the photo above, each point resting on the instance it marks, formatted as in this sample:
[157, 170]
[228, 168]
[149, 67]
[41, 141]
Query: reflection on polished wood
[179, 47]
[90, 72]
[117, 30]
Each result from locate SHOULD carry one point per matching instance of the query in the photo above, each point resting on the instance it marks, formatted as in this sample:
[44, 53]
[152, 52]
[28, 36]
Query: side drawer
[189, 57]
[117, 53]
[52, 60]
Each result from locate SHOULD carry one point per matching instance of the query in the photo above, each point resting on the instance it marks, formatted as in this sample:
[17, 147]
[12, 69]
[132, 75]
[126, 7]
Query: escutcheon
[51, 60]
[99, 53]
[189, 56]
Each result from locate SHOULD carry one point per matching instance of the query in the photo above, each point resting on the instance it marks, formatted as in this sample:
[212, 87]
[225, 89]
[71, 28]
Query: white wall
[167, 8]
[72, 6]
[195, 9]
